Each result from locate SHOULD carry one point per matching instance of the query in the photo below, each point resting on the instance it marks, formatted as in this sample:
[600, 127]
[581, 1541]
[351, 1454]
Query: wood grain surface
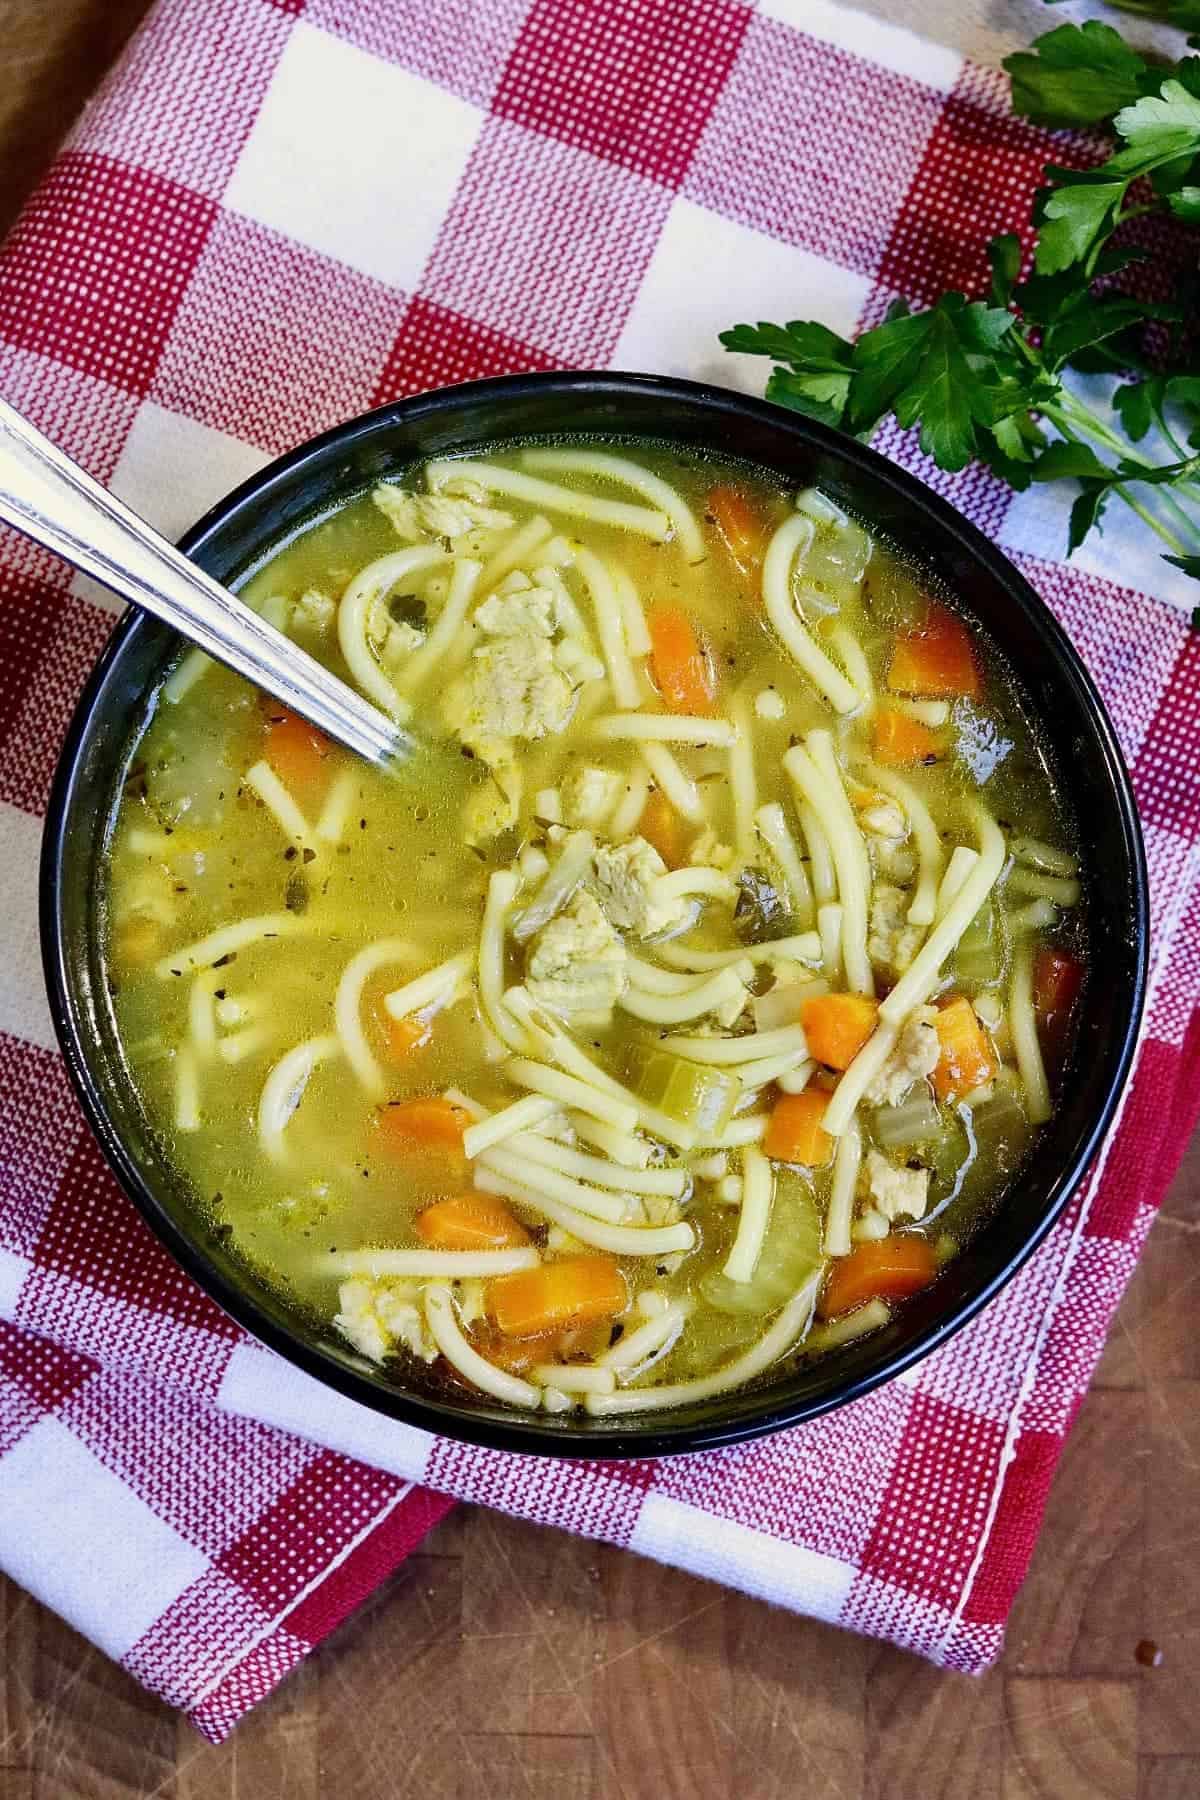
[508, 1660]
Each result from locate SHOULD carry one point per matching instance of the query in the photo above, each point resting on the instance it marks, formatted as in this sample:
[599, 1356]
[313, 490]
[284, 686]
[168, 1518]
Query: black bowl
[237, 533]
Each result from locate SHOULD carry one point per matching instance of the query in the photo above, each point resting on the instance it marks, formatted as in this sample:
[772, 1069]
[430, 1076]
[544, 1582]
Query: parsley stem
[1086, 422]
[1178, 545]
[1156, 525]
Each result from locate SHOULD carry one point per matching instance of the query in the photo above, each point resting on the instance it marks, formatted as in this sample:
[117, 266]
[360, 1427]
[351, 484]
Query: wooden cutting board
[508, 1662]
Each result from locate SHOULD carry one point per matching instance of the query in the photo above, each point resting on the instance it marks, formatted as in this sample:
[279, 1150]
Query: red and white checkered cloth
[273, 216]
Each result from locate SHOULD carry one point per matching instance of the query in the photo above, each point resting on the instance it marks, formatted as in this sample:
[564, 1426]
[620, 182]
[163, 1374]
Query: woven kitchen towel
[272, 217]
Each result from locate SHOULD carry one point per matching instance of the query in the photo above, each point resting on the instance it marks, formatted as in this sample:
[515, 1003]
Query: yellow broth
[193, 848]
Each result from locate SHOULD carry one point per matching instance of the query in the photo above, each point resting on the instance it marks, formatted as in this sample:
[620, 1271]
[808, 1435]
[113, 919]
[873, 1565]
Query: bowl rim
[655, 1438]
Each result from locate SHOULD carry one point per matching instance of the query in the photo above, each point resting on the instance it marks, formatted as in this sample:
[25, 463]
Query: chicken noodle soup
[678, 1009]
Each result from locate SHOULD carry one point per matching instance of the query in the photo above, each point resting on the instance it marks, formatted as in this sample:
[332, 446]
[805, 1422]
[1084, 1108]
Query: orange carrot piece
[469, 1222]
[739, 525]
[682, 672]
[514, 1354]
[967, 1059]
[402, 1037]
[794, 1133]
[937, 658]
[575, 1291]
[1057, 979]
[899, 740]
[296, 750]
[429, 1124]
[890, 1269]
[660, 826]
[837, 1026]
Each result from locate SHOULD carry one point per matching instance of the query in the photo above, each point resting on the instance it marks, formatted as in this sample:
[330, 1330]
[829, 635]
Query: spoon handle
[50, 498]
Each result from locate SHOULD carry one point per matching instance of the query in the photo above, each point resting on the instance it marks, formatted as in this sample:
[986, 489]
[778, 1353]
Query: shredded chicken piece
[892, 942]
[628, 876]
[589, 796]
[417, 516]
[897, 1193]
[578, 962]
[380, 1317]
[313, 611]
[913, 1056]
[710, 853]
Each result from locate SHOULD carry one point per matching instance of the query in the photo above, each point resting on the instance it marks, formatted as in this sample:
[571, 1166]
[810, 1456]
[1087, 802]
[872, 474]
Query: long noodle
[514, 552]
[494, 1128]
[1022, 1023]
[606, 607]
[918, 980]
[347, 1006]
[633, 619]
[820, 857]
[368, 586]
[790, 1325]
[772, 827]
[631, 1355]
[618, 1240]
[675, 1009]
[284, 1088]
[227, 940]
[663, 728]
[551, 1184]
[416, 671]
[263, 781]
[447, 1334]
[502, 889]
[846, 1162]
[447, 1265]
[641, 520]
[678, 787]
[757, 1189]
[793, 539]
[930, 851]
[649, 487]
[822, 789]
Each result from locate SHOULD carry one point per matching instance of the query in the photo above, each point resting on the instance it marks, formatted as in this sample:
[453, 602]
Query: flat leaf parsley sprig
[984, 379]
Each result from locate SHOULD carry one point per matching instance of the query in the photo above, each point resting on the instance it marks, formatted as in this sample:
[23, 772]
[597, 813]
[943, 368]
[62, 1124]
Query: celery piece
[914, 1121]
[1001, 1128]
[791, 1252]
[691, 1093]
[979, 955]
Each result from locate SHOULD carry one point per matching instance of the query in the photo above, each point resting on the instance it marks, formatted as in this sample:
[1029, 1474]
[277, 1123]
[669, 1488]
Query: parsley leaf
[1073, 217]
[985, 381]
[1077, 75]
[1159, 127]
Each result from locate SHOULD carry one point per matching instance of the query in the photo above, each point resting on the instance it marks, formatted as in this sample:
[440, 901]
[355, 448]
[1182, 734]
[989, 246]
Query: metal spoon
[50, 498]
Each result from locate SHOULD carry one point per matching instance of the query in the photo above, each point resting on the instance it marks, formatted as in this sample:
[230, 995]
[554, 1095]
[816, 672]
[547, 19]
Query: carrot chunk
[575, 1291]
[514, 1354]
[794, 1133]
[899, 740]
[739, 525]
[469, 1222]
[682, 672]
[1057, 979]
[967, 1059]
[429, 1124]
[890, 1269]
[837, 1026]
[660, 826]
[938, 658]
[296, 750]
[402, 1037]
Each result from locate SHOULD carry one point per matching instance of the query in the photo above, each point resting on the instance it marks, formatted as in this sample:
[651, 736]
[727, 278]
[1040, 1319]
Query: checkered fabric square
[273, 216]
